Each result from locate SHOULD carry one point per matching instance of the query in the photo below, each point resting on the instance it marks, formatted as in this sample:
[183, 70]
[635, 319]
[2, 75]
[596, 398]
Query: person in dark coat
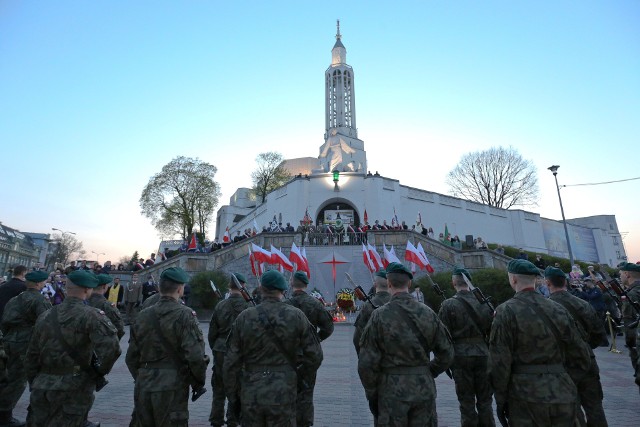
[13, 287]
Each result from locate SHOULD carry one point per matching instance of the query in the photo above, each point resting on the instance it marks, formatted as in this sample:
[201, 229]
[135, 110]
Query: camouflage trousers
[11, 391]
[162, 408]
[631, 340]
[219, 395]
[268, 398]
[471, 375]
[533, 414]
[590, 396]
[304, 402]
[57, 408]
[398, 413]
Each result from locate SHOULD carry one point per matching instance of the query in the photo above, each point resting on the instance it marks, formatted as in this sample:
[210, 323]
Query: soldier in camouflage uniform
[630, 278]
[152, 300]
[59, 365]
[531, 338]
[469, 323]
[19, 317]
[224, 314]
[98, 301]
[394, 365]
[323, 323]
[276, 348]
[165, 356]
[593, 333]
[380, 297]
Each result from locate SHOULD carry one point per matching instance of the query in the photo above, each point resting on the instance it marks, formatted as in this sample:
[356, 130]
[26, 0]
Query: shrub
[201, 293]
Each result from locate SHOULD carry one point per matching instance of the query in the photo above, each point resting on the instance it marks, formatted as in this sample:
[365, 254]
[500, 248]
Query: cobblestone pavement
[339, 397]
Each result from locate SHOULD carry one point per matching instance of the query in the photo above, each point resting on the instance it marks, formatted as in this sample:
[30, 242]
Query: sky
[97, 96]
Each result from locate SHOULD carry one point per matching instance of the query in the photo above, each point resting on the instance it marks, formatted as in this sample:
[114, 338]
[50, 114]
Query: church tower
[342, 149]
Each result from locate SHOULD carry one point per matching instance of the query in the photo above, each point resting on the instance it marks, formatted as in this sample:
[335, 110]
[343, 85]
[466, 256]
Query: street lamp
[63, 232]
[554, 171]
[98, 256]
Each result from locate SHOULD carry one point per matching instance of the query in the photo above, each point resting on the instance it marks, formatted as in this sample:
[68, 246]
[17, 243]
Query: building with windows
[17, 248]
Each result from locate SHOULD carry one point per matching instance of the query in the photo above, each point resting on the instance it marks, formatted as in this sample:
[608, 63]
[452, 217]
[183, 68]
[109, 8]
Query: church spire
[340, 98]
[339, 52]
[338, 35]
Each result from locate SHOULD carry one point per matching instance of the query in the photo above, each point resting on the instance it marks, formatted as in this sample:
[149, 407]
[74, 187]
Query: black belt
[538, 369]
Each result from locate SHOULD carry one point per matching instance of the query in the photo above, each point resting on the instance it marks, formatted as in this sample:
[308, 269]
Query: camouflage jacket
[86, 330]
[224, 315]
[20, 315]
[590, 325]
[628, 311]
[467, 334]
[250, 347]
[101, 303]
[520, 339]
[379, 299]
[152, 300]
[315, 312]
[388, 343]
[151, 364]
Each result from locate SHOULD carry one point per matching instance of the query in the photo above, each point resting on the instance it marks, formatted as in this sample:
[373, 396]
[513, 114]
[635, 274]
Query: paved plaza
[339, 397]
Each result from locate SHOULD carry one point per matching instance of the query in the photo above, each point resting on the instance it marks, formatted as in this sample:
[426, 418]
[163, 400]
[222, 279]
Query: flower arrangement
[346, 299]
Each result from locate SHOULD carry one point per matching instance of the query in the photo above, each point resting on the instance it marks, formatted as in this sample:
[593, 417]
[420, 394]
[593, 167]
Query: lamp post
[336, 178]
[98, 256]
[554, 171]
[63, 232]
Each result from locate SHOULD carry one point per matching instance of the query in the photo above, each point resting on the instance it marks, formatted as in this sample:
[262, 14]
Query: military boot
[7, 420]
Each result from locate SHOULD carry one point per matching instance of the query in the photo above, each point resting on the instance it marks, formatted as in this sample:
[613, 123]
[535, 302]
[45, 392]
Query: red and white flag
[192, 244]
[262, 255]
[279, 258]
[226, 238]
[424, 257]
[389, 256]
[303, 252]
[375, 256]
[256, 266]
[412, 254]
[367, 259]
[296, 258]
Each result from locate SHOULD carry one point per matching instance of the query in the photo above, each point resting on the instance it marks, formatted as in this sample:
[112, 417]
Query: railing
[333, 239]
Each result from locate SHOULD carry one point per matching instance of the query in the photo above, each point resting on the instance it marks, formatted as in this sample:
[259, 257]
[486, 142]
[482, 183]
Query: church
[338, 184]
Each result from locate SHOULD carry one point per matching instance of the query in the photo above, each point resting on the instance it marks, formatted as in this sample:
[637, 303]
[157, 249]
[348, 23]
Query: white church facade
[338, 181]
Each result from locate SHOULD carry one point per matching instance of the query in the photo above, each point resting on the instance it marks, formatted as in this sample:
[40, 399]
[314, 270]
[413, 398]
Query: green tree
[496, 177]
[182, 196]
[201, 290]
[134, 258]
[269, 174]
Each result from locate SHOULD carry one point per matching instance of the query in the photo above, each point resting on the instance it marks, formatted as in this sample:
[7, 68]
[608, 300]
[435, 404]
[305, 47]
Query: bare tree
[183, 195]
[65, 246]
[269, 175]
[496, 177]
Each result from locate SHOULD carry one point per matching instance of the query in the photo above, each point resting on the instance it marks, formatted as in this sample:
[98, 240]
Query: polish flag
[367, 259]
[389, 256]
[261, 255]
[296, 258]
[412, 254]
[192, 244]
[375, 256]
[278, 257]
[256, 267]
[303, 252]
[226, 238]
[425, 259]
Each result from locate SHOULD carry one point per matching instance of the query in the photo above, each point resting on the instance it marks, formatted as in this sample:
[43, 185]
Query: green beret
[396, 267]
[36, 276]
[83, 278]
[521, 266]
[554, 272]
[176, 274]
[273, 279]
[240, 277]
[104, 279]
[630, 267]
[459, 271]
[302, 277]
[381, 273]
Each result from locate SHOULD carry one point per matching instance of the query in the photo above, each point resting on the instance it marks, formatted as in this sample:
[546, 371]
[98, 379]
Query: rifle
[216, 291]
[634, 304]
[245, 294]
[360, 293]
[604, 288]
[437, 288]
[482, 299]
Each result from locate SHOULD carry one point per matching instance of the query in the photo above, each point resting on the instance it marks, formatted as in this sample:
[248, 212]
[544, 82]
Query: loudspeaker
[469, 240]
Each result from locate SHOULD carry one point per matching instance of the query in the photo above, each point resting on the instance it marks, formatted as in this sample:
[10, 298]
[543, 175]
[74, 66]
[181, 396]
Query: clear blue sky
[97, 96]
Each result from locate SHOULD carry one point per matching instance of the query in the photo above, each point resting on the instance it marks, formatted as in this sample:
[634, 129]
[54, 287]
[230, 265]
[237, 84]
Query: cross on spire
[338, 35]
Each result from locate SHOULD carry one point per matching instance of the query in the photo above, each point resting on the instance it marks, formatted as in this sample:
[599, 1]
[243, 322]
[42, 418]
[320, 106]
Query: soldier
[531, 337]
[381, 297]
[152, 300]
[132, 298]
[593, 333]
[72, 347]
[469, 323]
[277, 349]
[224, 314]
[395, 348]
[19, 317]
[630, 278]
[165, 356]
[98, 301]
[323, 323]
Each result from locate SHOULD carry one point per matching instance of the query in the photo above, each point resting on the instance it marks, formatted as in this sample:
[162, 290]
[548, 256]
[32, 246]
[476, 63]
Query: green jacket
[101, 303]
[379, 299]
[224, 314]
[20, 315]
[315, 312]
[468, 334]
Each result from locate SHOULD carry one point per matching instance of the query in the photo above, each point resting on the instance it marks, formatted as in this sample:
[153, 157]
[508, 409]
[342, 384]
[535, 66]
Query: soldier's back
[315, 312]
[224, 314]
[101, 303]
[468, 322]
[20, 315]
[379, 299]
